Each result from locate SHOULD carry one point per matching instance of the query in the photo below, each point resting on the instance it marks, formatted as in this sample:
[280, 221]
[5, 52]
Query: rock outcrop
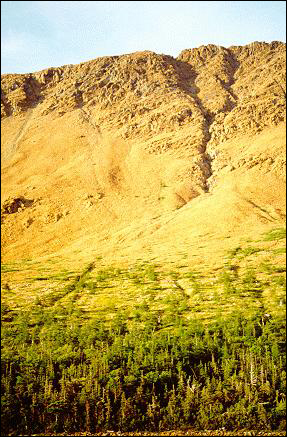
[149, 132]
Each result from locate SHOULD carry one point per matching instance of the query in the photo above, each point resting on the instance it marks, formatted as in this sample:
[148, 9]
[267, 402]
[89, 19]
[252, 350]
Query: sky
[39, 34]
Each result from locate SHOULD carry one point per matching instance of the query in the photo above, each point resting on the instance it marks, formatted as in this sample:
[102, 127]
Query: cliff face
[143, 148]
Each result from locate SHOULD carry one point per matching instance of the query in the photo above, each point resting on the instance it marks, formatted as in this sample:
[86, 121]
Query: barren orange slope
[144, 155]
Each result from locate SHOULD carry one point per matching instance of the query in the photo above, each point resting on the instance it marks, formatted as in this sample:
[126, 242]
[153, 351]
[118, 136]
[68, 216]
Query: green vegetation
[61, 373]
[279, 250]
[275, 234]
[242, 253]
[145, 348]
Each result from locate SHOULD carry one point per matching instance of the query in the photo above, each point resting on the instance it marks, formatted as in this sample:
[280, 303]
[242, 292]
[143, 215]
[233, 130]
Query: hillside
[143, 245]
[144, 155]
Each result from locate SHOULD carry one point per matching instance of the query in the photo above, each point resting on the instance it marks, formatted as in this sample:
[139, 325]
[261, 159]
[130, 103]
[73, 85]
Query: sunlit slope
[144, 155]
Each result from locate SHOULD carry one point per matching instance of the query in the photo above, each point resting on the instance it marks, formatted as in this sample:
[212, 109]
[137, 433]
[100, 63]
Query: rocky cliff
[143, 153]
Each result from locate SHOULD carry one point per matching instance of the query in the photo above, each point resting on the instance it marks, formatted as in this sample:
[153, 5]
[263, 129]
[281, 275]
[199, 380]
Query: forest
[178, 351]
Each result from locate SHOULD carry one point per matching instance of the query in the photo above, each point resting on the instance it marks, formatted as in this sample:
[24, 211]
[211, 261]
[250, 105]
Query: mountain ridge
[109, 146]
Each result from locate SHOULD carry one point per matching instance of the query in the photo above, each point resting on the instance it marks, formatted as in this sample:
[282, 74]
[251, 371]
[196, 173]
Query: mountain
[144, 155]
[143, 228]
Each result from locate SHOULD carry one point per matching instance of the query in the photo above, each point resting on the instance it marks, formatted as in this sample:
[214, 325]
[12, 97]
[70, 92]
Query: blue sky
[40, 34]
